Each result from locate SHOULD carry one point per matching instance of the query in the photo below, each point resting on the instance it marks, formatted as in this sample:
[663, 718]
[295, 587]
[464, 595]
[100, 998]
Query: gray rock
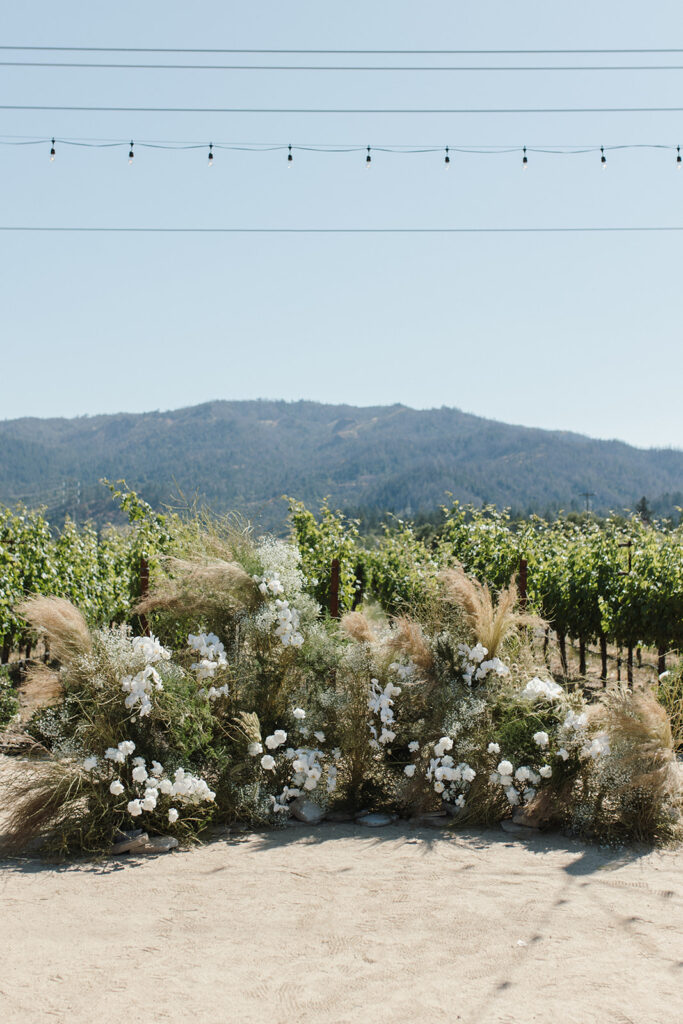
[305, 810]
[376, 819]
[159, 844]
[130, 842]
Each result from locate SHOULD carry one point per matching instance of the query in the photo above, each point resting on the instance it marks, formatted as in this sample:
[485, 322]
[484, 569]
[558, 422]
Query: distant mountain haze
[244, 456]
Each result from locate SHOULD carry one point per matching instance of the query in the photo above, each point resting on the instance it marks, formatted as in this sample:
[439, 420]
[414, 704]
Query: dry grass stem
[491, 623]
[65, 627]
[198, 587]
[408, 638]
[356, 626]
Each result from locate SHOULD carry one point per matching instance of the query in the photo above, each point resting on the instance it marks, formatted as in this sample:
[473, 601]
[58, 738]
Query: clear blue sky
[576, 332]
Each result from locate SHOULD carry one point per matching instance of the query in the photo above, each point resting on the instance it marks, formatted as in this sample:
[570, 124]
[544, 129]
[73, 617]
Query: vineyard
[616, 581]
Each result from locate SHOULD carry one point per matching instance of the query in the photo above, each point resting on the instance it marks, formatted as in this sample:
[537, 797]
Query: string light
[290, 158]
[52, 152]
[603, 158]
[211, 154]
[525, 162]
[447, 159]
[368, 159]
[678, 158]
[131, 154]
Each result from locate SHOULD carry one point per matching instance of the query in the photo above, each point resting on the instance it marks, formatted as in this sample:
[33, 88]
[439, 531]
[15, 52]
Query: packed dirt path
[341, 923]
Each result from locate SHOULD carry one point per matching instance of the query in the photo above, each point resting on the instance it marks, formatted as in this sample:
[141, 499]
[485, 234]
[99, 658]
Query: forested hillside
[245, 455]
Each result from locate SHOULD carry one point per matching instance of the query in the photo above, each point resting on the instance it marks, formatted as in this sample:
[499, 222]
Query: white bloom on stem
[564, 754]
[320, 736]
[114, 754]
[268, 762]
[134, 808]
[493, 748]
[166, 787]
[299, 713]
[172, 815]
[149, 802]
[468, 774]
[409, 770]
[254, 749]
[116, 788]
[276, 740]
[541, 689]
[413, 746]
[126, 747]
[157, 769]
[90, 763]
[512, 795]
[439, 787]
[541, 739]
[444, 744]
[545, 772]
[505, 768]
[139, 773]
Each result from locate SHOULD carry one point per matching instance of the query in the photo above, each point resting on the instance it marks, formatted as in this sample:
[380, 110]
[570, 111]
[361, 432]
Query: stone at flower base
[305, 810]
[525, 816]
[339, 816]
[130, 842]
[159, 844]
[376, 819]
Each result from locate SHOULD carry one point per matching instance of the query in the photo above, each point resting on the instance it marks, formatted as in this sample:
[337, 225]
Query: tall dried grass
[408, 638]
[197, 589]
[356, 626]
[42, 799]
[63, 624]
[492, 623]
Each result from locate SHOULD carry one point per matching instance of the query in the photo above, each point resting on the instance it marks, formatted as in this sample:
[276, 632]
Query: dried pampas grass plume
[491, 624]
[357, 627]
[66, 629]
[199, 587]
[408, 638]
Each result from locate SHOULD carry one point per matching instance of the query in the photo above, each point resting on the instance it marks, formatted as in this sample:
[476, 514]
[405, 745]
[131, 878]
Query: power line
[349, 110]
[339, 67]
[345, 231]
[414, 53]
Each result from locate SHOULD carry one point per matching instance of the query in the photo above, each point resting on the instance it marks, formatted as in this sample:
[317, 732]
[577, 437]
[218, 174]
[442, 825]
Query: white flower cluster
[212, 657]
[574, 733]
[542, 689]
[404, 672]
[380, 702]
[447, 776]
[151, 649]
[269, 585]
[138, 689]
[185, 788]
[287, 624]
[307, 767]
[475, 668]
[518, 785]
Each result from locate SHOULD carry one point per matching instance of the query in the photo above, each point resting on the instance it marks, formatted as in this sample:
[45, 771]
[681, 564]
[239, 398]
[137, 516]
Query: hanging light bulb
[368, 159]
[131, 154]
[290, 158]
[211, 154]
[525, 162]
[678, 158]
[603, 158]
[447, 159]
[52, 152]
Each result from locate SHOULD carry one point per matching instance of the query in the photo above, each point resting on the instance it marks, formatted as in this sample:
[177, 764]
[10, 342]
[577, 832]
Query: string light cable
[332, 148]
[467, 68]
[354, 52]
[342, 110]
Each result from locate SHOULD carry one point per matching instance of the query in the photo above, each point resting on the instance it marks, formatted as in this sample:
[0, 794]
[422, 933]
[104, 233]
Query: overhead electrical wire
[414, 53]
[338, 67]
[347, 110]
[343, 231]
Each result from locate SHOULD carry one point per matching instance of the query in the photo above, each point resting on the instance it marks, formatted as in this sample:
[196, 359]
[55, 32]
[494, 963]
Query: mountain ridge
[244, 455]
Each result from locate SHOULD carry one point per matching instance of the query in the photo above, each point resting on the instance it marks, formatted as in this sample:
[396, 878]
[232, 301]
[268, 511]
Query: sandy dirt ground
[341, 923]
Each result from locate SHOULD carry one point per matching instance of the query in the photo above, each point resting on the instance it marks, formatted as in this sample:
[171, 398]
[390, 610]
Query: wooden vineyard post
[334, 589]
[144, 591]
[603, 659]
[661, 660]
[522, 585]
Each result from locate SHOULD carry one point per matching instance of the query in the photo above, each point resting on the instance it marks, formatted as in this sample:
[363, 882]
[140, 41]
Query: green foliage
[9, 705]
[320, 541]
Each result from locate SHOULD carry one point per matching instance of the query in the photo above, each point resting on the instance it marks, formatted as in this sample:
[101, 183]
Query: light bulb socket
[211, 154]
[678, 157]
[131, 154]
[525, 161]
[52, 151]
[290, 158]
[368, 159]
[603, 158]
[447, 159]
